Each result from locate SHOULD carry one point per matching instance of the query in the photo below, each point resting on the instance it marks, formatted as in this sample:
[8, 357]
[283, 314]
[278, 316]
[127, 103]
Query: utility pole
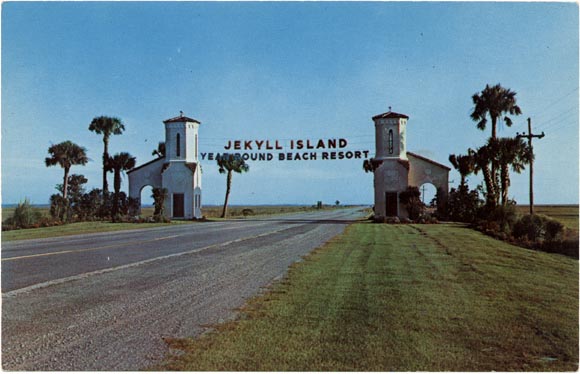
[530, 136]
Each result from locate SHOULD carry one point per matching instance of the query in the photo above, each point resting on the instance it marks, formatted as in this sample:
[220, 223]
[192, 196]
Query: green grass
[76, 229]
[404, 298]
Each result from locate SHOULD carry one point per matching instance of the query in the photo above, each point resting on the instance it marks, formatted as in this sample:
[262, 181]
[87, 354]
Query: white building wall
[398, 127]
[178, 178]
[423, 171]
[146, 175]
[390, 176]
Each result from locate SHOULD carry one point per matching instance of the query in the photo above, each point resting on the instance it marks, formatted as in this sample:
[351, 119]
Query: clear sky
[303, 70]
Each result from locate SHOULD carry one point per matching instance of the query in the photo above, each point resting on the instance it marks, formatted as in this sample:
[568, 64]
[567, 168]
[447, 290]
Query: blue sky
[304, 70]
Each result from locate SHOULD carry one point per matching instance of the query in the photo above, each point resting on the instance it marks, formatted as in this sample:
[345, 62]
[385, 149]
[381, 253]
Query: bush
[411, 198]
[538, 227]
[24, 216]
[530, 227]
[58, 206]
[553, 229]
[505, 217]
[564, 247]
[463, 205]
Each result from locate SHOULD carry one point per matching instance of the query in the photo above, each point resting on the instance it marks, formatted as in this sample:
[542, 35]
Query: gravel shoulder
[118, 320]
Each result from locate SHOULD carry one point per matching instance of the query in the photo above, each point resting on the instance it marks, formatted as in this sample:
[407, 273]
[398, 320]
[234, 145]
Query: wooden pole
[529, 135]
[531, 168]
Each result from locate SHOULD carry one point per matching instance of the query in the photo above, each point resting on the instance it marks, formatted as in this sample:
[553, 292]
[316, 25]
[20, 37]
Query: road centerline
[88, 249]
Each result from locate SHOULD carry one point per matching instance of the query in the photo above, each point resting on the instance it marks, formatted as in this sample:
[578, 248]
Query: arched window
[391, 141]
[178, 146]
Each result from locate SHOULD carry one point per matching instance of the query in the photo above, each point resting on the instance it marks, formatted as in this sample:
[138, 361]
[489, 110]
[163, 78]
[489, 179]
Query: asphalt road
[107, 301]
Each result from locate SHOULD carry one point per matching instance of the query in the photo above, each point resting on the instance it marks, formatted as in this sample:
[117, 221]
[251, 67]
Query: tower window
[391, 141]
[178, 146]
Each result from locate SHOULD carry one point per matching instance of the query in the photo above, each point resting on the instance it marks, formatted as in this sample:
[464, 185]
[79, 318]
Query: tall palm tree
[66, 154]
[228, 164]
[464, 164]
[494, 101]
[515, 152]
[106, 126]
[118, 163]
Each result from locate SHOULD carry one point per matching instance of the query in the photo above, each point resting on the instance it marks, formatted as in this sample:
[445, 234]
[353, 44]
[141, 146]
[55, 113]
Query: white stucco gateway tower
[178, 170]
[395, 168]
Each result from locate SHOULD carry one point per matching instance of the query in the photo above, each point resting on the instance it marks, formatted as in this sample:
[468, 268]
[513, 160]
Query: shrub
[463, 205]
[58, 206]
[530, 227]
[505, 216]
[538, 227]
[553, 229]
[567, 247]
[159, 195]
[24, 216]
[411, 198]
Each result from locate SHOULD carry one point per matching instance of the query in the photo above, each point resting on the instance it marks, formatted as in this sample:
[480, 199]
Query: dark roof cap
[181, 118]
[390, 114]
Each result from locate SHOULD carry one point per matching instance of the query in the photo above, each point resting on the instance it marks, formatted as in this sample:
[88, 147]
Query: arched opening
[146, 201]
[428, 192]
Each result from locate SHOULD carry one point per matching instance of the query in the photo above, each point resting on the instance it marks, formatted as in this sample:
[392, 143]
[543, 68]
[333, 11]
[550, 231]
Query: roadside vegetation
[403, 298]
[25, 213]
[488, 207]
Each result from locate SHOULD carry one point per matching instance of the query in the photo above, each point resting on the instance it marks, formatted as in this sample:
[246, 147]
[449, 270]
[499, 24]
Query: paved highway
[106, 301]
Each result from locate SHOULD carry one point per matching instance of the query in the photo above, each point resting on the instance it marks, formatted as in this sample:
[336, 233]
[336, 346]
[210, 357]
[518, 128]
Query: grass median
[403, 298]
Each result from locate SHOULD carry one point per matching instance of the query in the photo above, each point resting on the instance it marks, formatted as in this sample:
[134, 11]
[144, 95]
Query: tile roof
[145, 164]
[390, 114]
[181, 118]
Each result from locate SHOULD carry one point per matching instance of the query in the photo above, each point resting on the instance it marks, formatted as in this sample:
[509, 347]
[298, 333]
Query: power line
[559, 100]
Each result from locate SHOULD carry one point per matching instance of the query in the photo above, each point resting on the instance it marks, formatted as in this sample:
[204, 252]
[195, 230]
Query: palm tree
[464, 164]
[515, 152]
[118, 163]
[160, 151]
[66, 154]
[107, 126]
[228, 164]
[494, 101]
[481, 162]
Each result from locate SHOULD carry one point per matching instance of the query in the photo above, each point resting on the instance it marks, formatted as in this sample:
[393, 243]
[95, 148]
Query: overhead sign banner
[294, 150]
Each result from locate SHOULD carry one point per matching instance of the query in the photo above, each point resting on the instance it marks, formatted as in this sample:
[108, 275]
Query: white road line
[87, 249]
[37, 286]
[112, 245]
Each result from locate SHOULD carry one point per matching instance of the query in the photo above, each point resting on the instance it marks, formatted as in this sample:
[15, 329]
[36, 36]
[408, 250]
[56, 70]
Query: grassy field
[404, 298]
[258, 210]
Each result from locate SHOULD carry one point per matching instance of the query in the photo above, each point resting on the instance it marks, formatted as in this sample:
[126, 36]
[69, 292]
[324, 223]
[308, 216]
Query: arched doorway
[428, 193]
[146, 201]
